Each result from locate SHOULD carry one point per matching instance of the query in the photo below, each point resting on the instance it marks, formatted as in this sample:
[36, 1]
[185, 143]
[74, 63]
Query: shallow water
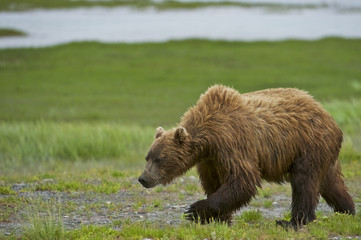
[123, 24]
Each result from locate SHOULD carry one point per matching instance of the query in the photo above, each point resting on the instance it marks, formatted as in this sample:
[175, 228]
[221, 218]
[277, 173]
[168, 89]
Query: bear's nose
[142, 181]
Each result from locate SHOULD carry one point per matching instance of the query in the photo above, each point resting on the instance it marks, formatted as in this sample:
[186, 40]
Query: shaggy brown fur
[236, 140]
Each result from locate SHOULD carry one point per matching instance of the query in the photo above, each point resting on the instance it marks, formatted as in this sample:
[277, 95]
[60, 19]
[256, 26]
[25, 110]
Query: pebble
[192, 178]
[47, 180]
[18, 186]
[340, 237]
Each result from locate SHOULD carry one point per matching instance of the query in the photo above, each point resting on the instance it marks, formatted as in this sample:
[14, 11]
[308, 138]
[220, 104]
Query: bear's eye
[157, 160]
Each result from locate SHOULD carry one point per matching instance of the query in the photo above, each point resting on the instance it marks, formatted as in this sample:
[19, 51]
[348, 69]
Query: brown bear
[236, 140]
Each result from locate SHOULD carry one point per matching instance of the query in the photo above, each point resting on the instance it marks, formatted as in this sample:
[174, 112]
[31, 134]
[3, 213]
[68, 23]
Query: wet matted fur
[236, 140]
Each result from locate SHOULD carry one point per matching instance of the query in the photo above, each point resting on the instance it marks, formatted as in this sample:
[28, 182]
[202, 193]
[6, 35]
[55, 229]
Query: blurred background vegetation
[154, 83]
[86, 101]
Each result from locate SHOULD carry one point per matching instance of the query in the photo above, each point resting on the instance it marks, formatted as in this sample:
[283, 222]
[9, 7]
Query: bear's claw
[197, 212]
[286, 224]
[191, 215]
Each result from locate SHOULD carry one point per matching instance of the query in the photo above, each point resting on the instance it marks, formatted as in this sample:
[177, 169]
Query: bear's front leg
[230, 196]
[203, 212]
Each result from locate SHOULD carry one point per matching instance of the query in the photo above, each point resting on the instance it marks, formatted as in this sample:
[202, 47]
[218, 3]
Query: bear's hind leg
[334, 191]
[305, 193]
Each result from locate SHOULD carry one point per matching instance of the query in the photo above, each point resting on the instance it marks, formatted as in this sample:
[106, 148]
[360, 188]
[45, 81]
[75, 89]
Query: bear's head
[169, 156]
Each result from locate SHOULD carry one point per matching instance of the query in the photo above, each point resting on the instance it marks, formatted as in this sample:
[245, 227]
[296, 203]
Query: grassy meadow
[6, 32]
[79, 118]
[152, 84]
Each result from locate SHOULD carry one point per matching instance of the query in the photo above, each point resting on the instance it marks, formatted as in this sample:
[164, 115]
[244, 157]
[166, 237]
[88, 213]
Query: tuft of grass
[186, 231]
[44, 224]
[6, 190]
[9, 206]
[340, 224]
[287, 216]
[6, 32]
[251, 216]
[191, 188]
[264, 192]
[118, 174]
[267, 203]
[93, 232]
[105, 187]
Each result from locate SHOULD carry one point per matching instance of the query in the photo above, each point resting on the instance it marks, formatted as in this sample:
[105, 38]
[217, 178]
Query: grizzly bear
[236, 140]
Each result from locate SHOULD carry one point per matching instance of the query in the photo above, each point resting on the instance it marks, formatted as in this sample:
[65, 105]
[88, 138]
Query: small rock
[6, 233]
[47, 180]
[18, 186]
[192, 178]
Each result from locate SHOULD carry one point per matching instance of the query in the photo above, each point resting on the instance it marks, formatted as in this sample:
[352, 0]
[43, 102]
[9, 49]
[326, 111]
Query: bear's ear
[180, 134]
[159, 131]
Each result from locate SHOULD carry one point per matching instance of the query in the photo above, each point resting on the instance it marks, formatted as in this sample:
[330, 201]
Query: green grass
[337, 224]
[5, 32]
[44, 224]
[45, 141]
[153, 84]
[6, 190]
[79, 118]
[21, 5]
[257, 228]
[44, 217]
[251, 216]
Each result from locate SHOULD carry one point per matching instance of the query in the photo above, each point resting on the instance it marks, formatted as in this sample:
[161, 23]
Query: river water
[124, 24]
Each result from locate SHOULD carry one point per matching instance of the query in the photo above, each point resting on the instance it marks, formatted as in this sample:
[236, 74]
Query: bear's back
[220, 98]
[271, 127]
[282, 100]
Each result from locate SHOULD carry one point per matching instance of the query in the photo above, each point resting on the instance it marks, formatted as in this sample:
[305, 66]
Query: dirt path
[163, 207]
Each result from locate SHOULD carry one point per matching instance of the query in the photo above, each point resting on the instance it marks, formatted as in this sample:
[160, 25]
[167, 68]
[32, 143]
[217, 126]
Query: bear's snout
[142, 181]
[146, 182]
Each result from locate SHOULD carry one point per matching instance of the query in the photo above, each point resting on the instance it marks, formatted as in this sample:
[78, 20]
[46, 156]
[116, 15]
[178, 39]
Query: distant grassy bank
[154, 83]
[6, 32]
[21, 5]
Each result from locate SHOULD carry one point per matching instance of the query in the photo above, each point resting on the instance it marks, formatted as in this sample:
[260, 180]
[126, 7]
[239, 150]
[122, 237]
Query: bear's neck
[198, 128]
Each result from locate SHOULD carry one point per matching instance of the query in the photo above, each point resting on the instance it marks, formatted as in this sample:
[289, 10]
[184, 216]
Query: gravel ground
[83, 208]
